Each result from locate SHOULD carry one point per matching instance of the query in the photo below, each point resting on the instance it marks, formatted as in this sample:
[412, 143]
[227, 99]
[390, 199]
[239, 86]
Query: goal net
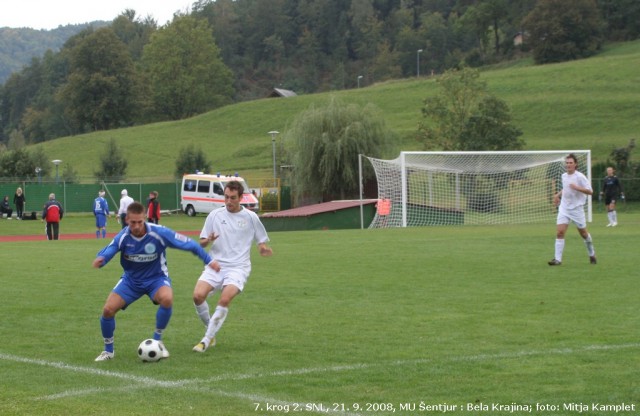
[453, 188]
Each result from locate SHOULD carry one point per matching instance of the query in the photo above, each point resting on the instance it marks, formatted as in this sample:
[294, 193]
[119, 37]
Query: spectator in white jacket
[125, 201]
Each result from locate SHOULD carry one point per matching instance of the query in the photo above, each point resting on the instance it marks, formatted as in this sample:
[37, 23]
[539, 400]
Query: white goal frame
[394, 184]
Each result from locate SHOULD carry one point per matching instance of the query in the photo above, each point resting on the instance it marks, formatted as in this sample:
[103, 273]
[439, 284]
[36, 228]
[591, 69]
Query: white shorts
[575, 215]
[236, 276]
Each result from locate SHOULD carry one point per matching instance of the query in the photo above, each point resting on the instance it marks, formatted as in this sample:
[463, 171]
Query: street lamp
[57, 163]
[38, 170]
[273, 134]
[418, 63]
[359, 78]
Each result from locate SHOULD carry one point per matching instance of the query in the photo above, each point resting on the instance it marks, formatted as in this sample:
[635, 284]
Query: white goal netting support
[455, 188]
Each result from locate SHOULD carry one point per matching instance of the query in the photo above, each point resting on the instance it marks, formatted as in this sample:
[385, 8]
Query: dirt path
[84, 236]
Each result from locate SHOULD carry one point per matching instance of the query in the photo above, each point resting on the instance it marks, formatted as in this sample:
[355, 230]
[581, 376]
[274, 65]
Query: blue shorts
[130, 291]
[101, 220]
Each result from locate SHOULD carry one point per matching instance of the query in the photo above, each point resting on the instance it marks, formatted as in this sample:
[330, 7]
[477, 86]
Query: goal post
[471, 188]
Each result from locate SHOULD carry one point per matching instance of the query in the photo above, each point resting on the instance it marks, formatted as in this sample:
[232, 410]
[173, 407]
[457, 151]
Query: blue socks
[108, 327]
[162, 320]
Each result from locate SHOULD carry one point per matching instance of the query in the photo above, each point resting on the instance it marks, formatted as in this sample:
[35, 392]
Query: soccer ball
[150, 350]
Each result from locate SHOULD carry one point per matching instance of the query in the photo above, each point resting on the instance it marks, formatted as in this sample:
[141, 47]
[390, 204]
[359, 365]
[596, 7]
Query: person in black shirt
[610, 190]
[19, 200]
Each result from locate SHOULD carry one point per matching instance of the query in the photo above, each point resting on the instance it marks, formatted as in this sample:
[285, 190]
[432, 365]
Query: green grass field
[337, 322]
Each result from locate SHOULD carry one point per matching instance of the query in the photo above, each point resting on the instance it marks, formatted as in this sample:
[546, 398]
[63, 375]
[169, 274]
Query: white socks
[613, 217]
[589, 243]
[559, 249]
[215, 323]
[203, 312]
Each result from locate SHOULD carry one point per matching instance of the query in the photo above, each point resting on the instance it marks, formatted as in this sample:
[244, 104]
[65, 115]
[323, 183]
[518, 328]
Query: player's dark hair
[235, 186]
[135, 208]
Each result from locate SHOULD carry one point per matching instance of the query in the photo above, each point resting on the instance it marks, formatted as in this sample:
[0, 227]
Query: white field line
[147, 382]
[194, 384]
[479, 357]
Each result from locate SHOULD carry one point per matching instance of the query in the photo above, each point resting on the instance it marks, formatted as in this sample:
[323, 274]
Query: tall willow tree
[323, 145]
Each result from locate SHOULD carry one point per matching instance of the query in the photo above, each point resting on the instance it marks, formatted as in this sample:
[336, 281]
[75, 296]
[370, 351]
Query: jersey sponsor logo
[141, 258]
[242, 223]
[149, 248]
[181, 238]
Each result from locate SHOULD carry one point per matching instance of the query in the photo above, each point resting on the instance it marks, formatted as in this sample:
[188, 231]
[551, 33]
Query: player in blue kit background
[101, 212]
[142, 249]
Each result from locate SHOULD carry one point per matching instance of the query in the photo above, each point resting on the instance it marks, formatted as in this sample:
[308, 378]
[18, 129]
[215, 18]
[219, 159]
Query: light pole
[57, 163]
[359, 78]
[38, 170]
[418, 63]
[273, 134]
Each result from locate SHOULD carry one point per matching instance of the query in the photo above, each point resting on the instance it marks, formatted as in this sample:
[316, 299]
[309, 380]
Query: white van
[203, 193]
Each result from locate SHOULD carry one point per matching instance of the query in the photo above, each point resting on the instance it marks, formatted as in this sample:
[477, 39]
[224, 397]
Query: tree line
[128, 73]
[19, 45]
[135, 72]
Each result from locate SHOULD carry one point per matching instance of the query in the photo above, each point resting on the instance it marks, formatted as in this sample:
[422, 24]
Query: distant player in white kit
[231, 230]
[570, 201]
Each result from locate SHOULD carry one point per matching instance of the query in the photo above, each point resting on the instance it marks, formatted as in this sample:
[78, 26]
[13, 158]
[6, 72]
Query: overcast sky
[49, 14]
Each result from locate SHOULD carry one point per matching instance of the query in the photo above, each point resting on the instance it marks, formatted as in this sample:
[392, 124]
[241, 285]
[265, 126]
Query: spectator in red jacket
[153, 208]
[52, 213]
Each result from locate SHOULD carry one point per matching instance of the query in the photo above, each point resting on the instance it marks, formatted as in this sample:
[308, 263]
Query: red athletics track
[63, 236]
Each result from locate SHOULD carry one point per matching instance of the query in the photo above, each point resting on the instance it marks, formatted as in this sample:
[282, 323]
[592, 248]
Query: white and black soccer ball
[150, 350]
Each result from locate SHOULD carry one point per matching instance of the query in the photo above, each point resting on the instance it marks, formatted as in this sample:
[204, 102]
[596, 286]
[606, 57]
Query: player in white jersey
[231, 230]
[570, 201]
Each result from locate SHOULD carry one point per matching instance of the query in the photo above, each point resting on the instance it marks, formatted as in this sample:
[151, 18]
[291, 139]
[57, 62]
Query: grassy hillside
[587, 104]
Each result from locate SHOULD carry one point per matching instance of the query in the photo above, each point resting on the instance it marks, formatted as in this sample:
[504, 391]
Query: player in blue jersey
[101, 212]
[142, 249]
